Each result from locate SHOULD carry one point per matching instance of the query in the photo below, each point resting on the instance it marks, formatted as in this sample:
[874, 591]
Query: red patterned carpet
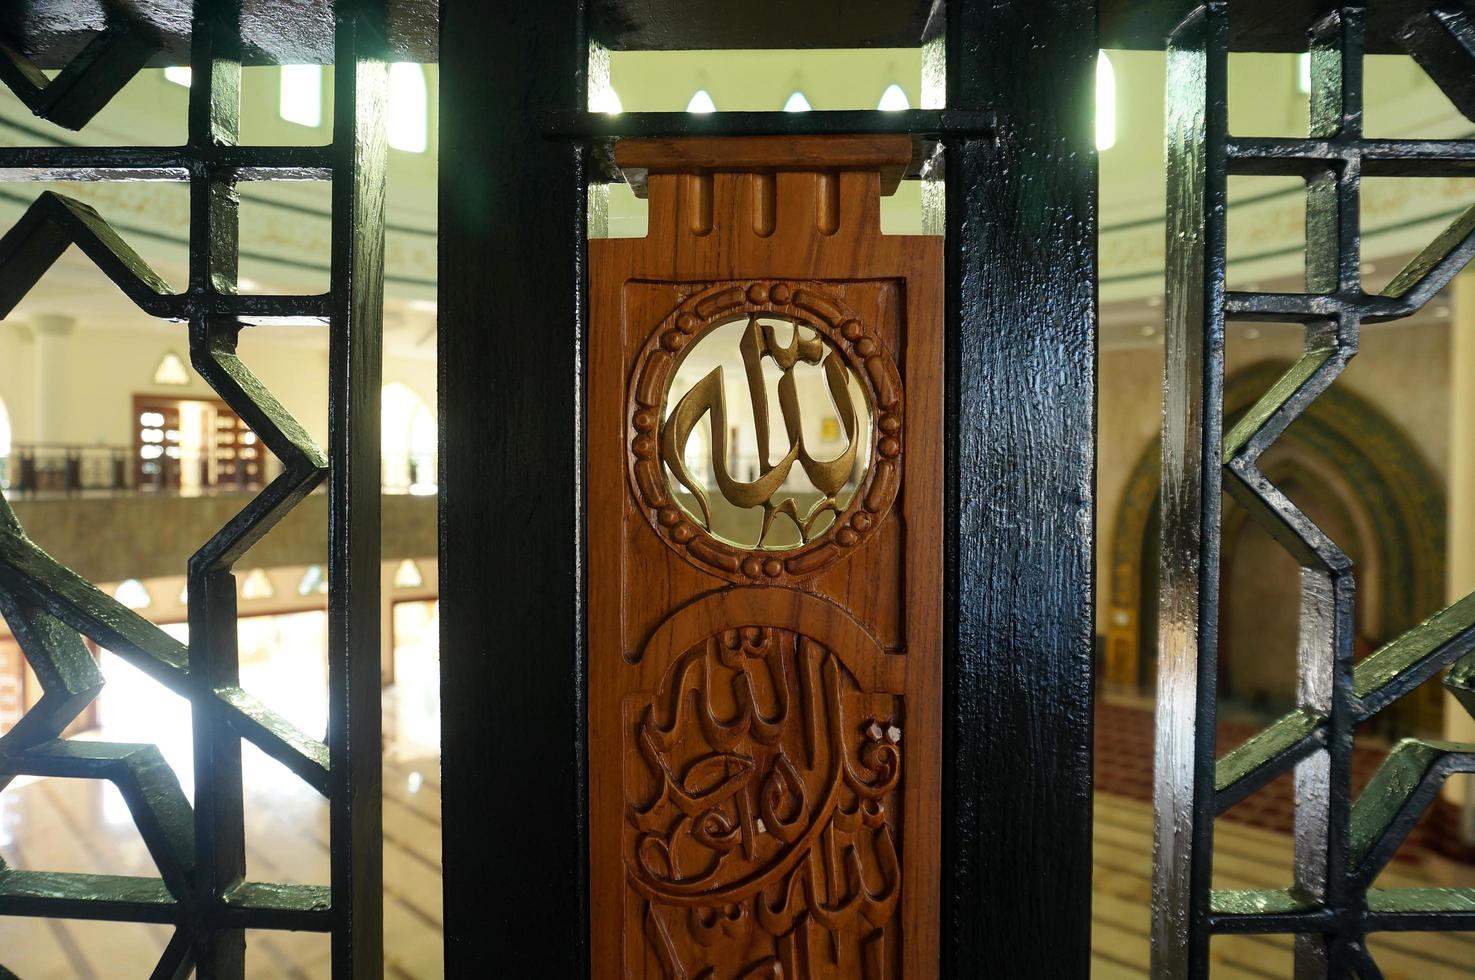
[1124, 744]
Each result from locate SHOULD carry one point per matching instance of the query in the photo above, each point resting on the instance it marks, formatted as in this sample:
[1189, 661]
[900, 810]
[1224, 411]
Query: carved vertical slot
[763, 189]
[827, 197]
[699, 203]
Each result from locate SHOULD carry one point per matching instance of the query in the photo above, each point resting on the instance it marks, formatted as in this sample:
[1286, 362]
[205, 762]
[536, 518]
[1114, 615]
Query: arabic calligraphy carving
[761, 835]
[708, 398]
[793, 327]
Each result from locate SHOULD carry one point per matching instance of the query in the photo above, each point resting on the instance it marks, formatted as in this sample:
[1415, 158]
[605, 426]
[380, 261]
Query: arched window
[409, 108]
[133, 594]
[1105, 102]
[407, 441]
[894, 99]
[797, 103]
[301, 98]
[4, 445]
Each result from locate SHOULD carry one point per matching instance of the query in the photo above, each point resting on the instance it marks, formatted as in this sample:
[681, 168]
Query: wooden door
[765, 555]
[229, 454]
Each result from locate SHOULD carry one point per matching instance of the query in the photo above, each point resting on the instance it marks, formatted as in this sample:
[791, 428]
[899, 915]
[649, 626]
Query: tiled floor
[1245, 857]
[82, 826]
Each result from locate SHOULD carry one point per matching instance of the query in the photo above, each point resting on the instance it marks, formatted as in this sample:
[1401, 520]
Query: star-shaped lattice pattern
[88, 82]
[1343, 844]
[50, 609]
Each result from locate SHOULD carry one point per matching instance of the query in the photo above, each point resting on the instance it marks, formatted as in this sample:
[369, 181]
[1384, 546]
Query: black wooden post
[1021, 224]
[1021, 294]
[512, 235]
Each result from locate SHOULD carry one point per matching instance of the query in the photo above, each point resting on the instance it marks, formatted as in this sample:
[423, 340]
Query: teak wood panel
[764, 725]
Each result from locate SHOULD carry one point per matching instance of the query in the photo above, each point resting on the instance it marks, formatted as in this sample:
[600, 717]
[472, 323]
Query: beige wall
[108, 366]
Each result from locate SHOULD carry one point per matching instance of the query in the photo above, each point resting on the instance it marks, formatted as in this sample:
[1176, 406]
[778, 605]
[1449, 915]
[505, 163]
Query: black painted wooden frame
[1020, 220]
[202, 890]
[1341, 844]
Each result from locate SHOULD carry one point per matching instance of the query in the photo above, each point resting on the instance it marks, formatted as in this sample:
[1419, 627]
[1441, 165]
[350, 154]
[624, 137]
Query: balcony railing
[61, 468]
[36, 469]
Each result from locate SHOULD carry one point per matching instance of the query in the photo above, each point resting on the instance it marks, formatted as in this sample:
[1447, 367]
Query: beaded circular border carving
[805, 303]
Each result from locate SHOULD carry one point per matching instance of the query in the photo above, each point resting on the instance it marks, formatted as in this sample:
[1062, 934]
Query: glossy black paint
[201, 850]
[295, 31]
[1340, 843]
[512, 233]
[1020, 444]
[1021, 227]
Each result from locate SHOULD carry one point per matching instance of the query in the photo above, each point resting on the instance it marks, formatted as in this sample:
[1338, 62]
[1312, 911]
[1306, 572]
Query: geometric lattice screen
[1341, 842]
[199, 850]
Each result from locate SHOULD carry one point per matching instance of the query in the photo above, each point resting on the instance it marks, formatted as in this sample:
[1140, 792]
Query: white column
[1460, 578]
[53, 362]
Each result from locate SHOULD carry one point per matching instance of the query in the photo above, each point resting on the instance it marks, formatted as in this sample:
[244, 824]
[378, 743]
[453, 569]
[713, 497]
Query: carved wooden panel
[764, 453]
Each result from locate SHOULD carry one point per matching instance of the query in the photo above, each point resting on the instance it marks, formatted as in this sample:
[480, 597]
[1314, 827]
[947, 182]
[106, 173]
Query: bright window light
[180, 75]
[257, 585]
[314, 581]
[1105, 102]
[606, 100]
[409, 108]
[894, 99]
[407, 575]
[797, 103]
[133, 594]
[1303, 72]
[171, 371]
[301, 98]
[701, 102]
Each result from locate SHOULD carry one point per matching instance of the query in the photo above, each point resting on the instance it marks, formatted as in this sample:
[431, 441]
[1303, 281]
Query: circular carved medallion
[729, 482]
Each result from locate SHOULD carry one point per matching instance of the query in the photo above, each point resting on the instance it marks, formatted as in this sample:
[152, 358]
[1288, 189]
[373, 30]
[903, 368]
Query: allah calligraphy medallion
[805, 508]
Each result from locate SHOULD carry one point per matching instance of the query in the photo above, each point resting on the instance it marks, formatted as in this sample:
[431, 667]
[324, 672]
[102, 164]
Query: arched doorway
[1354, 472]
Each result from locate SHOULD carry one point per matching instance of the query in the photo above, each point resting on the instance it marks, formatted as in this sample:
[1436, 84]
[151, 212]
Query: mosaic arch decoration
[1403, 494]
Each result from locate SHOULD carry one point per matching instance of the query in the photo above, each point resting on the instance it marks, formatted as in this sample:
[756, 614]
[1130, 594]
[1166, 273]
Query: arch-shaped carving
[1402, 495]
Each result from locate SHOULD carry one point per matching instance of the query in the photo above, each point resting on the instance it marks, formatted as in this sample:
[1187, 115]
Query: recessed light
[423, 305]
[1252, 333]
[1441, 312]
[1149, 331]
[1154, 301]
[1368, 268]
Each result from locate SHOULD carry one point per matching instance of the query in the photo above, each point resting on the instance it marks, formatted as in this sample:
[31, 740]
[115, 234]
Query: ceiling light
[797, 103]
[894, 99]
[701, 102]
